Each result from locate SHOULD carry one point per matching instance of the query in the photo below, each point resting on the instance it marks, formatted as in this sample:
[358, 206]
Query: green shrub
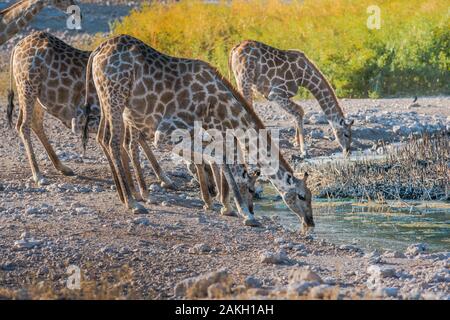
[409, 54]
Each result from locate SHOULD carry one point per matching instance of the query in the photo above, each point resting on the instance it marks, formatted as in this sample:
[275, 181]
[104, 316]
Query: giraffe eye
[301, 198]
[346, 135]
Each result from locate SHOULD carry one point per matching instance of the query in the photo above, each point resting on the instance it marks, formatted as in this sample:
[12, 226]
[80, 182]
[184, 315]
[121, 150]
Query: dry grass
[116, 285]
[418, 170]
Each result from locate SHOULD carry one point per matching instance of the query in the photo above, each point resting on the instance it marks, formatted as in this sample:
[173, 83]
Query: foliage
[409, 54]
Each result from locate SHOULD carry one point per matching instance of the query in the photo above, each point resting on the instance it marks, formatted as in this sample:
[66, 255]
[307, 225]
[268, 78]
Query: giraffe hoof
[139, 209]
[252, 222]
[42, 182]
[228, 212]
[208, 207]
[67, 171]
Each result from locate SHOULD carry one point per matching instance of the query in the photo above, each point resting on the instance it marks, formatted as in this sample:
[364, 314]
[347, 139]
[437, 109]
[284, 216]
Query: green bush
[408, 55]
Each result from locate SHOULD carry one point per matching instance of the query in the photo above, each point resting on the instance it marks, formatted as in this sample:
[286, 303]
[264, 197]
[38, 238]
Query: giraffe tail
[87, 106]
[10, 106]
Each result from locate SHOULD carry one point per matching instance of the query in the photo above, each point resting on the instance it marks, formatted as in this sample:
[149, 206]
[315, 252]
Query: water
[381, 227]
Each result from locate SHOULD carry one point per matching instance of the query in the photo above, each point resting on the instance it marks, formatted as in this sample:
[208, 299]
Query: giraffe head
[343, 133]
[62, 4]
[297, 197]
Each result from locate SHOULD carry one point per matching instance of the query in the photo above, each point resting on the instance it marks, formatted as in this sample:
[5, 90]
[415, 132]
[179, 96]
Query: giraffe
[43, 56]
[50, 77]
[160, 94]
[277, 75]
[17, 16]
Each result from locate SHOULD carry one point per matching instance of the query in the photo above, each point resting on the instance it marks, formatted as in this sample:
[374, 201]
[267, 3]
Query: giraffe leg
[223, 191]
[126, 162]
[27, 102]
[294, 109]
[38, 129]
[249, 219]
[117, 154]
[204, 187]
[225, 196]
[300, 137]
[165, 180]
[103, 140]
[133, 153]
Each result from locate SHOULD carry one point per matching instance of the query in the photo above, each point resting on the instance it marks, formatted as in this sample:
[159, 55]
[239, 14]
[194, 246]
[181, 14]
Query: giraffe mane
[249, 109]
[327, 83]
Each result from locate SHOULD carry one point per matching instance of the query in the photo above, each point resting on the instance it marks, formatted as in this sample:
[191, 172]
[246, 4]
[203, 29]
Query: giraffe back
[54, 71]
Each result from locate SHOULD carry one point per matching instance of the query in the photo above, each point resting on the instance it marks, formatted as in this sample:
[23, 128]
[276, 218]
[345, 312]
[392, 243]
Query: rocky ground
[79, 221]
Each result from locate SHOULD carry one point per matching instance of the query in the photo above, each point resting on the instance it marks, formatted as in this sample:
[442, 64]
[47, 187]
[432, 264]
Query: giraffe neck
[16, 17]
[249, 120]
[276, 170]
[315, 82]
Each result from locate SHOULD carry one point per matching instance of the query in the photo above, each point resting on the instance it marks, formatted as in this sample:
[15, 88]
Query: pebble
[200, 248]
[269, 257]
[252, 282]
[197, 287]
[394, 254]
[305, 274]
[317, 134]
[386, 292]
[374, 257]
[300, 288]
[155, 187]
[415, 249]
[143, 221]
[381, 271]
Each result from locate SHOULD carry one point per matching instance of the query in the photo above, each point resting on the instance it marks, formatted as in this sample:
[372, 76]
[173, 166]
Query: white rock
[302, 275]
[279, 257]
[155, 187]
[378, 271]
[317, 118]
[386, 292]
[394, 254]
[374, 257]
[198, 287]
[27, 243]
[415, 249]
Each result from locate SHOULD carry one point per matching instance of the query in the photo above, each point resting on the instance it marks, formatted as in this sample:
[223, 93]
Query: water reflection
[383, 227]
